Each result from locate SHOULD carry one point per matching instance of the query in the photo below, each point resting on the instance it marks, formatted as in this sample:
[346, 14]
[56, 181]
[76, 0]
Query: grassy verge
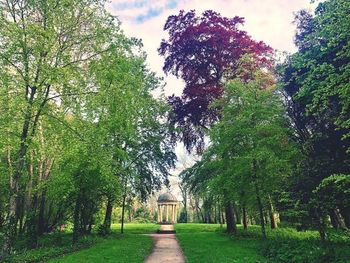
[209, 243]
[129, 247]
[126, 248]
[203, 243]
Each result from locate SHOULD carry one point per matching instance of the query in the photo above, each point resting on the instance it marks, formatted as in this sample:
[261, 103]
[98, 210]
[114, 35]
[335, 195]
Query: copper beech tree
[205, 51]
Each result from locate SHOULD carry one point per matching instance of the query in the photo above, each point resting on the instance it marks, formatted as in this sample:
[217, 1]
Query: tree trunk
[223, 217]
[272, 214]
[245, 221]
[41, 221]
[345, 212]
[123, 206]
[237, 214]
[334, 219]
[20, 215]
[10, 229]
[108, 216]
[321, 226]
[91, 222]
[230, 219]
[11, 221]
[219, 214]
[76, 219]
[340, 219]
[261, 211]
[258, 199]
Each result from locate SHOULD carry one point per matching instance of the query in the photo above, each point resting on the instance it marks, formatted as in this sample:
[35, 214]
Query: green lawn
[201, 243]
[207, 243]
[132, 246]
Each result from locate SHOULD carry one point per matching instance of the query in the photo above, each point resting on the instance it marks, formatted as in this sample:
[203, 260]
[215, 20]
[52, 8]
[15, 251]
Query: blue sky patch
[147, 8]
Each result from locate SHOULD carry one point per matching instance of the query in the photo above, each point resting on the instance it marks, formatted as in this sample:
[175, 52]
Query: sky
[268, 20]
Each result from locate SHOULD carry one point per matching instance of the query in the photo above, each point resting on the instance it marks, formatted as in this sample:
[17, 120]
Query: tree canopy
[205, 52]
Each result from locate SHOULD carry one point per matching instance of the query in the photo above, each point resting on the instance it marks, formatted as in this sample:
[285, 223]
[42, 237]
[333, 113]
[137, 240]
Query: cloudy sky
[267, 20]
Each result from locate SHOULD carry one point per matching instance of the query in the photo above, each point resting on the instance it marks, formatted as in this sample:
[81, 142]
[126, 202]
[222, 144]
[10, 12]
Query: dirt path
[166, 248]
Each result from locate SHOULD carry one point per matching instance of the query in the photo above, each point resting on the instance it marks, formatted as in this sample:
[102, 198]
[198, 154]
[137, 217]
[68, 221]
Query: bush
[289, 246]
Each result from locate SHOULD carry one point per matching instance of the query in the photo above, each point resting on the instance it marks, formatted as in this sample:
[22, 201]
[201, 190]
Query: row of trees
[79, 127]
[278, 136]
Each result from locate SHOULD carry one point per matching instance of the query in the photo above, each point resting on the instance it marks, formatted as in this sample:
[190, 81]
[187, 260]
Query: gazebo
[167, 202]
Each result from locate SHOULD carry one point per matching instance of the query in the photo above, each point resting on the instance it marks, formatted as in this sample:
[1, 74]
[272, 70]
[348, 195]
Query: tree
[252, 140]
[205, 51]
[76, 115]
[316, 90]
[44, 54]
[133, 129]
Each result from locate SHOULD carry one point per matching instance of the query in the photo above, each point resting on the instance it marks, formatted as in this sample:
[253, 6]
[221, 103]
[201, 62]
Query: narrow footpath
[166, 248]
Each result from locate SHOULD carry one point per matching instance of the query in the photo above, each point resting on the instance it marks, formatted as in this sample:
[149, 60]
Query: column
[167, 213]
[175, 215]
[172, 213]
[161, 213]
[158, 214]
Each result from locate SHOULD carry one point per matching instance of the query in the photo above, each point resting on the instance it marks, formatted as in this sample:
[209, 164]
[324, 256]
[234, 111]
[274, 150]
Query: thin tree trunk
[261, 211]
[321, 226]
[41, 220]
[334, 219]
[272, 214]
[223, 217]
[345, 212]
[237, 214]
[259, 202]
[245, 220]
[32, 224]
[11, 221]
[76, 219]
[21, 208]
[340, 219]
[108, 216]
[123, 206]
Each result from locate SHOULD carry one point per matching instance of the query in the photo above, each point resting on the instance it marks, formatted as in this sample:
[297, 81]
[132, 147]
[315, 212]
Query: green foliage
[333, 191]
[79, 125]
[315, 85]
[52, 246]
[287, 245]
[143, 215]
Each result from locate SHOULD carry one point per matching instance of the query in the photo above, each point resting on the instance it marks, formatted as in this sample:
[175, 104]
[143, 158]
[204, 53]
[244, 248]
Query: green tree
[251, 139]
[316, 88]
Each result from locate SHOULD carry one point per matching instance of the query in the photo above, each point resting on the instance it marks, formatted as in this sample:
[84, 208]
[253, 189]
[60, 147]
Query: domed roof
[167, 197]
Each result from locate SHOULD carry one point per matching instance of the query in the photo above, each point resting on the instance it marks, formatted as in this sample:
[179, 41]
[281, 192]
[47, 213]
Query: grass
[203, 243]
[200, 242]
[129, 247]
[132, 246]
[208, 243]
[126, 248]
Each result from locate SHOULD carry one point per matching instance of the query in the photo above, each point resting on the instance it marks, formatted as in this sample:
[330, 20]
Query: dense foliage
[277, 153]
[205, 52]
[80, 130]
